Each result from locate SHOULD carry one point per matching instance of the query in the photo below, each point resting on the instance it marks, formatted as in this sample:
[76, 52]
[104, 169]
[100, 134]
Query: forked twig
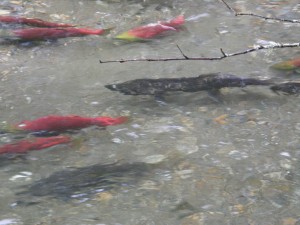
[259, 16]
[224, 54]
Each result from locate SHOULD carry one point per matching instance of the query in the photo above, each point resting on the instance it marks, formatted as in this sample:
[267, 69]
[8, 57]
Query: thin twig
[229, 7]
[259, 16]
[184, 55]
[224, 55]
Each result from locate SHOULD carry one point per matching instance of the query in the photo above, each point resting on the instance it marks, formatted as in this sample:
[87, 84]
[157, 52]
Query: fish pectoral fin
[214, 92]
[159, 97]
[215, 95]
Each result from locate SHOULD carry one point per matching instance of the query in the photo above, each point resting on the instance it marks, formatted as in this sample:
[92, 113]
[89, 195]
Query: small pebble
[8, 221]
[238, 155]
[242, 113]
[286, 164]
[28, 99]
[183, 174]
[136, 125]
[117, 140]
[132, 134]
[285, 154]
[297, 126]
[25, 175]
[103, 196]
[251, 123]
[262, 122]
[94, 103]
[203, 109]
[153, 159]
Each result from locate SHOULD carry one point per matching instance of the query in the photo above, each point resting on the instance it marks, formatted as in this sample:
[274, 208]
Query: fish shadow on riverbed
[202, 98]
[221, 97]
[27, 44]
[16, 160]
[80, 183]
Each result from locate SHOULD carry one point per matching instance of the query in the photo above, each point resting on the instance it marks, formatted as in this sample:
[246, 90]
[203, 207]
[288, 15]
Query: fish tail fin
[107, 30]
[179, 20]
[176, 22]
[108, 121]
[6, 128]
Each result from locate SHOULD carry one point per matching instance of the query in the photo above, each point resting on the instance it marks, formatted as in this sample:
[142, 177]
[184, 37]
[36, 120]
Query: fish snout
[112, 87]
[119, 88]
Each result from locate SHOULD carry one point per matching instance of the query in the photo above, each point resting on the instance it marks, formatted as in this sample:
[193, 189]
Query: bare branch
[268, 18]
[224, 55]
[259, 16]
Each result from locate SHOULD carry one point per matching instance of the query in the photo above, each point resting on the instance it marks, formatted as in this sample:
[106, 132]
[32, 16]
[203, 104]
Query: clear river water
[191, 160]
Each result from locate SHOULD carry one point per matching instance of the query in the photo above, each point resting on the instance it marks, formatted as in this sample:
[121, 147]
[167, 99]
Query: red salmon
[63, 123]
[39, 34]
[34, 144]
[31, 22]
[287, 65]
[151, 30]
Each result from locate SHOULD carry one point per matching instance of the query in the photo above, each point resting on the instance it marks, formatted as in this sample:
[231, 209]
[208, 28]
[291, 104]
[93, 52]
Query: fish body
[24, 146]
[154, 86]
[31, 22]
[206, 82]
[217, 81]
[151, 30]
[287, 88]
[39, 34]
[53, 123]
[287, 65]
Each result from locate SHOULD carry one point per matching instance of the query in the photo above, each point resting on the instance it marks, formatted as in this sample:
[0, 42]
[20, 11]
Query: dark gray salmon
[287, 88]
[81, 182]
[206, 82]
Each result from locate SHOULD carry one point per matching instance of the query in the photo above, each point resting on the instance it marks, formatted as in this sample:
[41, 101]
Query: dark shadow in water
[154, 4]
[79, 183]
[12, 159]
[26, 44]
[201, 98]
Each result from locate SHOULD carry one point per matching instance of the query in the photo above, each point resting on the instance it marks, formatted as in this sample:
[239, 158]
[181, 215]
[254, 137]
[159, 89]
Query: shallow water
[240, 170]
